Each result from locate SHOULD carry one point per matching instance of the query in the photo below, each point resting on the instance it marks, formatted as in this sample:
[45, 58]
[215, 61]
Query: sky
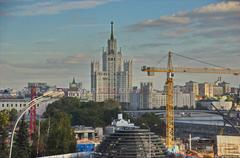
[55, 40]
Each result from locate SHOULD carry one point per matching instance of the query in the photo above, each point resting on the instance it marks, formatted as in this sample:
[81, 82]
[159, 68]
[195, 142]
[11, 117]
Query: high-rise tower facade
[114, 81]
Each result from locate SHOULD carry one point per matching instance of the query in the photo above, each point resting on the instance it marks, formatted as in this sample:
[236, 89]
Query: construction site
[197, 139]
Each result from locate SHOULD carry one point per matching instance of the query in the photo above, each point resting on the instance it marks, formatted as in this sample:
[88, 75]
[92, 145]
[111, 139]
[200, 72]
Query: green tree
[61, 137]
[229, 98]
[40, 140]
[13, 114]
[34, 146]
[86, 113]
[152, 121]
[21, 145]
[4, 122]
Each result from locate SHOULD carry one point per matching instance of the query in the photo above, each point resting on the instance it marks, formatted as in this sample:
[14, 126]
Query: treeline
[86, 113]
[100, 114]
[56, 136]
[153, 122]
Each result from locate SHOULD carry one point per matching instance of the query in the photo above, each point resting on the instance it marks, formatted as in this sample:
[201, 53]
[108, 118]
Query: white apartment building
[114, 81]
[159, 99]
[21, 104]
[9, 104]
[83, 94]
[150, 98]
[181, 99]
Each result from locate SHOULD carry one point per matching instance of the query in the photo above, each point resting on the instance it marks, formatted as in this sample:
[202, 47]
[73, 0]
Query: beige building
[226, 87]
[227, 146]
[217, 90]
[114, 81]
[192, 87]
[206, 89]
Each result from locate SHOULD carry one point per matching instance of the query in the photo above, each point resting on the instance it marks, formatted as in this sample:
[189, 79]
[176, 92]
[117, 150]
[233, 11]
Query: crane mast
[170, 70]
[169, 106]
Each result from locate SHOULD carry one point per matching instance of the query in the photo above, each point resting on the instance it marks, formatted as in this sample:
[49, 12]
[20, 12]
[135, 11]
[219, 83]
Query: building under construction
[131, 143]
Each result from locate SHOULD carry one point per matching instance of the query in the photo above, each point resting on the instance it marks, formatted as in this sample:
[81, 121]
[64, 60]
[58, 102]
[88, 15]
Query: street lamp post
[46, 96]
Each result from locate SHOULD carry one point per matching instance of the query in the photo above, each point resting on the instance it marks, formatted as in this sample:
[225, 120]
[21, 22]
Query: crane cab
[149, 73]
[148, 70]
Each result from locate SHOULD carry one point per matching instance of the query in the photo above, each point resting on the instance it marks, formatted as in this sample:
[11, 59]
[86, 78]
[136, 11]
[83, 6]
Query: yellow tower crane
[170, 70]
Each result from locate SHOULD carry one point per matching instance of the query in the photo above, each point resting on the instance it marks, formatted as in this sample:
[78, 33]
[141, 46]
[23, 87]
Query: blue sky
[52, 41]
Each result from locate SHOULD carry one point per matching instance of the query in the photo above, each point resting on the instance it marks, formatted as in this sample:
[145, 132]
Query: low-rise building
[9, 104]
[220, 104]
[87, 138]
[227, 146]
[21, 104]
[217, 90]
[76, 90]
[83, 94]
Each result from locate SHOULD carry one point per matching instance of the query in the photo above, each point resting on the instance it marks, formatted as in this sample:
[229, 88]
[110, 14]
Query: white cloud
[163, 21]
[166, 19]
[222, 7]
[226, 13]
[72, 59]
[175, 19]
[50, 7]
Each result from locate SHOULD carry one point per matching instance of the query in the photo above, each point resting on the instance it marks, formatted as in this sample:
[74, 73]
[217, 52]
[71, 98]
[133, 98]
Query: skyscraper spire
[73, 82]
[112, 30]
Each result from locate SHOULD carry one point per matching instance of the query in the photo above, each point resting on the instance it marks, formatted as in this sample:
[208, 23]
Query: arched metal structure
[45, 97]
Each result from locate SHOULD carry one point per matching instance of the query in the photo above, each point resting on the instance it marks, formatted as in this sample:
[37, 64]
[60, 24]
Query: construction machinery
[170, 70]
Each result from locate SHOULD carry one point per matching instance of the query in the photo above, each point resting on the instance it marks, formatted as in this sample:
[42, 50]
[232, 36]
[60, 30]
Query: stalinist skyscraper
[114, 81]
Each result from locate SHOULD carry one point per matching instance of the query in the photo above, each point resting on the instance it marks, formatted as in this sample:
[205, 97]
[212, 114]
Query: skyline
[55, 41]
